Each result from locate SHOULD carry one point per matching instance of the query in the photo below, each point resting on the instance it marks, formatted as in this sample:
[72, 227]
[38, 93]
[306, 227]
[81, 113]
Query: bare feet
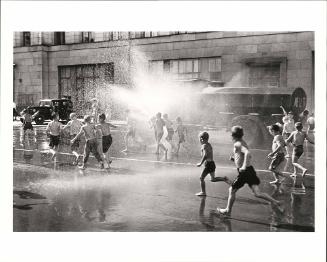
[224, 211]
[275, 182]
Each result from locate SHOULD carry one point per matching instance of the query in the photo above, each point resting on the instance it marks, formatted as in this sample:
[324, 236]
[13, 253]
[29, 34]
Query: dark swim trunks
[54, 141]
[27, 125]
[298, 151]
[248, 176]
[106, 143]
[209, 167]
[276, 160]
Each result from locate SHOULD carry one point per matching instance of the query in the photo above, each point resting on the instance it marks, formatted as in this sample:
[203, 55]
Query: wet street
[145, 192]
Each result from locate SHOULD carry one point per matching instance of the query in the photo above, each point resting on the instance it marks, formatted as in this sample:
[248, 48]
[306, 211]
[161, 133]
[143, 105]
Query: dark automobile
[47, 107]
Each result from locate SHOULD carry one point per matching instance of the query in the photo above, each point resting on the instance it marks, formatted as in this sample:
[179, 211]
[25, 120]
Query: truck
[253, 108]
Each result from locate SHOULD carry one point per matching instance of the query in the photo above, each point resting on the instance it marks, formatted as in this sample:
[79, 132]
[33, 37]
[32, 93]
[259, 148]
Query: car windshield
[45, 103]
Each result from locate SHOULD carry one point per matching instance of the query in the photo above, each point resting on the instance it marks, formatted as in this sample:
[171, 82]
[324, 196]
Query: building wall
[36, 70]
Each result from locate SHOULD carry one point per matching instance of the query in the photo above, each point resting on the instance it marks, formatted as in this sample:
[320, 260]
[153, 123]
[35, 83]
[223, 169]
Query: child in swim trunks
[74, 126]
[27, 127]
[209, 164]
[182, 132]
[91, 145]
[104, 128]
[297, 139]
[53, 131]
[288, 127]
[278, 153]
[159, 125]
[246, 173]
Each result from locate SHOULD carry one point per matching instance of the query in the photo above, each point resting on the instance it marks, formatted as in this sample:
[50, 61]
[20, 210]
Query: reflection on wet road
[144, 193]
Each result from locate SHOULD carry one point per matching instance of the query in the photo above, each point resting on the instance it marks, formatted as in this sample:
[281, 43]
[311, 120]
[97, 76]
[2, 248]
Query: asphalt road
[145, 192]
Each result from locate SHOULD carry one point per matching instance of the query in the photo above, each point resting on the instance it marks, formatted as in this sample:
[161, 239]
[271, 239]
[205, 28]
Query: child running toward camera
[297, 139]
[278, 153]
[104, 128]
[74, 126]
[209, 164]
[27, 128]
[91, 145]
[288, 127]
[53, 131]
[246, 173]
[159, 127]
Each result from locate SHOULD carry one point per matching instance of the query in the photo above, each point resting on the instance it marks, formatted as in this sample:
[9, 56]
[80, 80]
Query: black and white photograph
[205, 132]
[111, 128]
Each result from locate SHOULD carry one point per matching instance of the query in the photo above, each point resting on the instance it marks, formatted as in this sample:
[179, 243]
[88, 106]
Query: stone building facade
[53, 64]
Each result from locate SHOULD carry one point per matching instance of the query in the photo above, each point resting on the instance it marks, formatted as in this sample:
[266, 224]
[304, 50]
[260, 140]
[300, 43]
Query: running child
[74, 126]
[159, 127]
[182, 132]
[246, 173]
[91, 145]
[288, 127]
[152, 124]
[104, 128]
[278, 153]
[27, 128]
[209, 164]
[53, 130]
[169, 126]
[297, 139]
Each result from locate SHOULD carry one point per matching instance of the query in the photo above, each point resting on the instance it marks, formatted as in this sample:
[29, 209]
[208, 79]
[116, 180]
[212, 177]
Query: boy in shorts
[288, 127]
[53, 131]
[74, 126]
[104, 128]
[91, 145]
[297, 138]
[182, 132]
[277, 155]
[246, 173]
[159, 127]
[209, 166]
[27, 127]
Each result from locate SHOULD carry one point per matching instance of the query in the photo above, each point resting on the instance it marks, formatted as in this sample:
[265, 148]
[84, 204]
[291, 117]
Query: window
[26, 38]
[185, 69]
[156, 67]
[214, 68]
[139, 34]
[87, 37]
[82, 82]
[59, 38]
[265, 75]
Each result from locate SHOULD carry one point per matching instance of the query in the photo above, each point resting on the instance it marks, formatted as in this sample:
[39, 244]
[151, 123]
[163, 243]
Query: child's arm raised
[284, 111]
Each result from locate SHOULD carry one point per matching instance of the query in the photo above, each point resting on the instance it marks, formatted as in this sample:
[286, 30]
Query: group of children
[290, 133]
[242, 160]
[98, 138]
[158, 124]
